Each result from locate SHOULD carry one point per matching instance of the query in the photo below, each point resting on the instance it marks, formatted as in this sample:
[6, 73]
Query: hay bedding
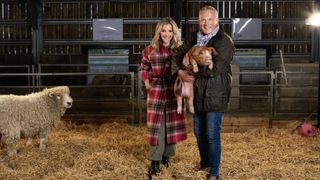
[117, 150]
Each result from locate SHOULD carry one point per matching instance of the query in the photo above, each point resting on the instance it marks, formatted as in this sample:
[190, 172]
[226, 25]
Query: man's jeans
[207, 126]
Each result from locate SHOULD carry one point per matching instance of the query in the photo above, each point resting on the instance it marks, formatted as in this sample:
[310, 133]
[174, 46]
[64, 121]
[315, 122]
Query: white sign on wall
[246, 29]
[107, 29]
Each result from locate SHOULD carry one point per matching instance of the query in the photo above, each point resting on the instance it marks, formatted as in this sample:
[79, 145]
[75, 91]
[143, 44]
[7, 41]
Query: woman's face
[166, 34]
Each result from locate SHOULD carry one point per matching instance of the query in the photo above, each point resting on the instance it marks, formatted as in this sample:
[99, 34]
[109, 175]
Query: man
[212, 87]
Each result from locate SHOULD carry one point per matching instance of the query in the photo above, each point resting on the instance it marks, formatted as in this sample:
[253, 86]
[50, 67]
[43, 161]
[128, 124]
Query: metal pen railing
[272, 98]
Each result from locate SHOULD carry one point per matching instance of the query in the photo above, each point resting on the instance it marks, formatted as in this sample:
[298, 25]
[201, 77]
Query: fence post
[132, 97]
[139, 97]
[273, 75]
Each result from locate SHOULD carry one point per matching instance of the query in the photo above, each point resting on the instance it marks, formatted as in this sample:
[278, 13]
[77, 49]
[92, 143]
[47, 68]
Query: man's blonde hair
[175, 41]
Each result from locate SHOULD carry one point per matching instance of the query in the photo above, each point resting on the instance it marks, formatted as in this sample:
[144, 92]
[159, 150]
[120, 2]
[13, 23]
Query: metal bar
[191, 20]
[272, 97]
[95, 1]
[91, 42]
[14, 42]
[132, 97]
[14, 66]
[283, 68]
[61, 74]
[76, 65]
[139, 97]
[198, 1]
[14, 22]
[194, 20]
[147, 41]
[89, 21]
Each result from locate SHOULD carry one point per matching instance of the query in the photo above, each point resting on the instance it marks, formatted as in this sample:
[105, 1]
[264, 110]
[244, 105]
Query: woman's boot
[165, 161]
[155, 168]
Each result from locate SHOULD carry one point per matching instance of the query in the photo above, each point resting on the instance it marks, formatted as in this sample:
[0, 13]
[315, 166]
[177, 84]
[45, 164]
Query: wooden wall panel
[82, 11]
[14, 32]
[268, 10]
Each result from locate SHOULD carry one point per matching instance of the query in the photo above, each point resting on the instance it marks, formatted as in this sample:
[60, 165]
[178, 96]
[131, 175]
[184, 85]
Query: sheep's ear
[51, 94]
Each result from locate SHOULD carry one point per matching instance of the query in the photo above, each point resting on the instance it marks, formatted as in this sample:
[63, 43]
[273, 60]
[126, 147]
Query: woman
[164, 126]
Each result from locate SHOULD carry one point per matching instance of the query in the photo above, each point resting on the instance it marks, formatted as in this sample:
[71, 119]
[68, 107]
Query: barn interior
[49, 43]
[46, 43]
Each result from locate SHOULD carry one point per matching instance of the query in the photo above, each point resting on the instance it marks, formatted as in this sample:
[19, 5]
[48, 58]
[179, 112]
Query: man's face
[207, 21]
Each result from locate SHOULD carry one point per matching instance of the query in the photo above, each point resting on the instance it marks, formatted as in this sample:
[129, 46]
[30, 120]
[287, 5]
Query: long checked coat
[161, 101]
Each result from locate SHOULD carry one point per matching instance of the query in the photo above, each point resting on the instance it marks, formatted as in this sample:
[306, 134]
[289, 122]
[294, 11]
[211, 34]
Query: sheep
[31, 115]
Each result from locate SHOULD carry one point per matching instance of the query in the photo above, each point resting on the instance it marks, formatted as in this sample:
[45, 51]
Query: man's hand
[209, 61]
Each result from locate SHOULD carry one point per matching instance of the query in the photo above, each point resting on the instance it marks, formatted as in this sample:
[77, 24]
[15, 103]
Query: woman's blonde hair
[175, 41]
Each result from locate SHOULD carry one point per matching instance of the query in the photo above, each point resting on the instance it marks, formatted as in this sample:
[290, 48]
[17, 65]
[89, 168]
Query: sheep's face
[65, 99]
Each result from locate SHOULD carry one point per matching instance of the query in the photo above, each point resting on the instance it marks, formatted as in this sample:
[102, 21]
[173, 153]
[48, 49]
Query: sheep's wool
[32, 115]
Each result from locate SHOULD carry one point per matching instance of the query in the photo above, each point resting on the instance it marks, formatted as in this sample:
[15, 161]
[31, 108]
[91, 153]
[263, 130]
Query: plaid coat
[161, 101]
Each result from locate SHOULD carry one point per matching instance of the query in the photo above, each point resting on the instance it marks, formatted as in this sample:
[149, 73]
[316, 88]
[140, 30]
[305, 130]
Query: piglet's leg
[187, 92]
[178, 92]
[179, 104]
[190, 100]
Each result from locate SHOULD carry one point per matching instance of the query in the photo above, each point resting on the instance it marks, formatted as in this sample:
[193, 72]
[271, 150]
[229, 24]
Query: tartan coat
[161, 101]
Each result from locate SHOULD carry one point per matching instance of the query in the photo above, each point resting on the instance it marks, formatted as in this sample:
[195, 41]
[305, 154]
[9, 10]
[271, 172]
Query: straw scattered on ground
[117, 150]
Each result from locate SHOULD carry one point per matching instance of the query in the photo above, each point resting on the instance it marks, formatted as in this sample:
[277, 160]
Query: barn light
[314, 19]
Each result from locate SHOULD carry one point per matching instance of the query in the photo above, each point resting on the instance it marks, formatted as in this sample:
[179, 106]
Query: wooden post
[35, 16]
[316, 55]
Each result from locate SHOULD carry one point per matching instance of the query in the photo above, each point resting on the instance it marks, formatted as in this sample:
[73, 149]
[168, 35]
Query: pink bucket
[307, 130]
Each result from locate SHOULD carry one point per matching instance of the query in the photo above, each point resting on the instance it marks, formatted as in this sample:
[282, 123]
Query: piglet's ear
[214, 52]
[51, 95]
[195, 50]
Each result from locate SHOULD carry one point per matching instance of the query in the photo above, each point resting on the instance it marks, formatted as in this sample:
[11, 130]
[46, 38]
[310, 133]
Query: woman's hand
[186, 60]
[147, 84]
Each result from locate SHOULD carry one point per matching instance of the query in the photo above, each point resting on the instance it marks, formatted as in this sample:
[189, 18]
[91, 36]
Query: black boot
[155, 168]
[165, 161]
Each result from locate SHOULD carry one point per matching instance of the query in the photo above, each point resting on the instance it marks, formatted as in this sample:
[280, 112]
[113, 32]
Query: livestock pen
[86, 146]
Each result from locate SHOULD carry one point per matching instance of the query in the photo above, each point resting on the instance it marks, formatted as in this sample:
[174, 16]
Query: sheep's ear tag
[51, 95]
